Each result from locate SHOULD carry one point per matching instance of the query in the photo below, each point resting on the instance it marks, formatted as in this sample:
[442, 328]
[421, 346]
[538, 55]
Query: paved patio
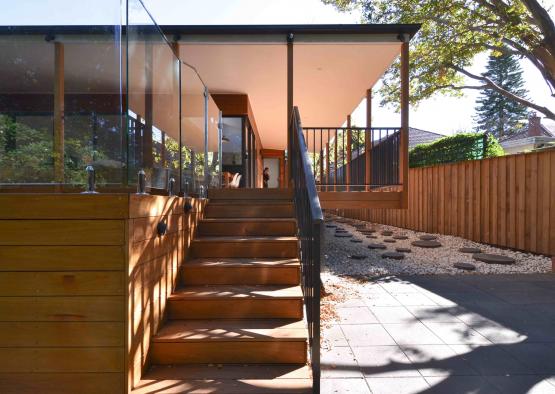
[444, 334]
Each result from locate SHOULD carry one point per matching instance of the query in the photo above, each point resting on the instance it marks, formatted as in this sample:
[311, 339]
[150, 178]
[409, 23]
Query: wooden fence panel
[507, 201]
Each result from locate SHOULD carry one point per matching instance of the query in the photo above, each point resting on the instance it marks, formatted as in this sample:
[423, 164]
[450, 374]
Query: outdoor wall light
[91, 180]
[162, 228]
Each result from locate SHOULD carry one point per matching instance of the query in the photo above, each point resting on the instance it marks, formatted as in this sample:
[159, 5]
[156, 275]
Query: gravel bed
[420, 261]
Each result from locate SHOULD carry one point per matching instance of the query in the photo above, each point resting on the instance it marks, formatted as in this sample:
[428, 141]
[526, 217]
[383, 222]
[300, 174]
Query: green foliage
[455, 148]
[453, 32]
[25, 153]
[495, 112]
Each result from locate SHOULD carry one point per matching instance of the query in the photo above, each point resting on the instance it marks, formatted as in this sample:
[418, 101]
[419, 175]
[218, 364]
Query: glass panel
[232, 149]
[153, 101]
[60, 103]
[192, 129]
[93, 108]
[214, 178]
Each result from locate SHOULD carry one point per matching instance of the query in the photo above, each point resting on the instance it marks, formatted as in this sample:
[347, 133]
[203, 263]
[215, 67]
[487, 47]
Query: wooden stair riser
[247, 249]
[240, 275]
[250, 194]
[249, 211]
[229, 352]
[235, 308]
[247, 228]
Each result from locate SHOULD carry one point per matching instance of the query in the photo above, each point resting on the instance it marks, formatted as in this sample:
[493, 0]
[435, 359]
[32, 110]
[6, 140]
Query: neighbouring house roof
[419, 136]
[523, 134]
[534, 135]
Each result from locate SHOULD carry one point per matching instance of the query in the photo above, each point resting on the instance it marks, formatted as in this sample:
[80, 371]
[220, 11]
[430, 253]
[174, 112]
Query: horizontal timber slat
[63, 206]
[61, 258]
[61, 283]
[98, 308]
[61, 334]
[62, 232]
[62, 383]
[82, 359]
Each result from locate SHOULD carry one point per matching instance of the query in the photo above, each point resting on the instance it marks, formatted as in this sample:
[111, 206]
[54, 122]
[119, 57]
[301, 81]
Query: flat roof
[410, 29]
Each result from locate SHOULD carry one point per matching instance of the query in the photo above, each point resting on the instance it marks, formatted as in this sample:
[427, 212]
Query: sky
[440, 114]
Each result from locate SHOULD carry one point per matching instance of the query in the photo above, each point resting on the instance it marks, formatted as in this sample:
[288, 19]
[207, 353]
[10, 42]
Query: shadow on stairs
[236, 323]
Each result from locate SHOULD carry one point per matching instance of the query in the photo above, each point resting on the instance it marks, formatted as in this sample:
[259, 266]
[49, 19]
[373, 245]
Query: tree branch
[461, 87]
[492, 85]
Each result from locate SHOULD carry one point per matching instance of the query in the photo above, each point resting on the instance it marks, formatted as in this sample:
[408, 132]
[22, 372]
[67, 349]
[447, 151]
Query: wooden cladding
[83, 285]
[506, 201]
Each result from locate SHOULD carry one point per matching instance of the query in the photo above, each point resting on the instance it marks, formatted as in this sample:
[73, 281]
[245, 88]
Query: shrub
[455, 148]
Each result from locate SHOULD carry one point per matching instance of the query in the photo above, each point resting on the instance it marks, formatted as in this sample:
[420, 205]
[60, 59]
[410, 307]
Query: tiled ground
[475, 334]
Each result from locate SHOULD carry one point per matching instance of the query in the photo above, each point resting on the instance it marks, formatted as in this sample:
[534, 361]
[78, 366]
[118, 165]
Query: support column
[59, 113]
[368, 141]
[349, 151]
[290, 87]
[404, 143]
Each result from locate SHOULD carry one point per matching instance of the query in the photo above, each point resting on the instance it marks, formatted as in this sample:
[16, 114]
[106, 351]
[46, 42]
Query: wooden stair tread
[250, 202]
[247, 220]
[225, 291]
[232, 330]
[226, 379]
[230, 238]
[241, 262]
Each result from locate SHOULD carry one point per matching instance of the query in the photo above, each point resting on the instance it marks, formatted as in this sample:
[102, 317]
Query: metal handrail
[339, 156]
[310, 222]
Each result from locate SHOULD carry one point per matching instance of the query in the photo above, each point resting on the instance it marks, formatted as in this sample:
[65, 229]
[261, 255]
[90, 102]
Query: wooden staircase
[236, 324]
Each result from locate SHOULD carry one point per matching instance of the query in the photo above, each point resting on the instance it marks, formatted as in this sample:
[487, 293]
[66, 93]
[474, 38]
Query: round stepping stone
[357, 257]
[493, 258]
[343, 236]
[359, 226]
[403, 250]
[356, 241]
[426, 244]
[367, 231]
[470, 250]
[377, 246]
[400, 237]
[465, 266]
[340, 230]
[428, 237]
[389, 240]
[387, 232]
[372, 236]
[393, 255]
[331, 225]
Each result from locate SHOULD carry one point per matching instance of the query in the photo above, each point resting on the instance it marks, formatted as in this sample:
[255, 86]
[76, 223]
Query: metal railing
[310, 222]
[339, 159]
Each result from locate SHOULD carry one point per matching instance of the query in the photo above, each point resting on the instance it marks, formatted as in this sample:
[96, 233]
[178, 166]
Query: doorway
[238, 151]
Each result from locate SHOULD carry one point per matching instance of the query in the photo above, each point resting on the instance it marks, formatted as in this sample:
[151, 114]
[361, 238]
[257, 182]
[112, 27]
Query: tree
[496, 113]
[453, 32]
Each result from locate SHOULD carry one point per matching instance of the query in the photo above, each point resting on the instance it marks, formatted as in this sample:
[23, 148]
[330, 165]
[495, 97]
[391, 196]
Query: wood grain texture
[63, 206]
[506, 201]
[61, 232]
